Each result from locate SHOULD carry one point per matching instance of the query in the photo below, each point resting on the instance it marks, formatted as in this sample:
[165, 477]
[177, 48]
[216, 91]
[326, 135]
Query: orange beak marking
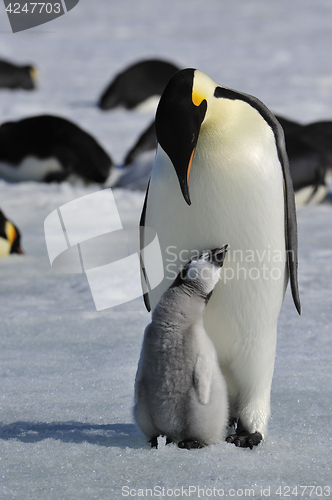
[189, 166]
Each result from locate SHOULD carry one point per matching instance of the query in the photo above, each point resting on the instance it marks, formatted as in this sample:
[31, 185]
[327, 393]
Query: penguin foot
[168, 440]
[190, 444]
[154, 442]
[243, 439]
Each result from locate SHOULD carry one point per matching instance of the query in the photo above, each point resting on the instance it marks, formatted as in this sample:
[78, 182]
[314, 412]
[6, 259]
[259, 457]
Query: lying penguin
[49, 148]
[139, 86]
[17, 77]
[179, 389]
[10, 237]
[309, 149]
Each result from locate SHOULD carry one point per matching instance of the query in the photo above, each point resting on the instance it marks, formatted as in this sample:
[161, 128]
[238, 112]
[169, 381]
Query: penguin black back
[309, 149]
[47, 136]
[137, 83]
[146, 142]
[14, 77]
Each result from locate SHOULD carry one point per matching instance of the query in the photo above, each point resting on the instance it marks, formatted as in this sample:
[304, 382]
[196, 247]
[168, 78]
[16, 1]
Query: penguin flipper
[203, 379]
[290, 214]
[291, 236]
[141, 231]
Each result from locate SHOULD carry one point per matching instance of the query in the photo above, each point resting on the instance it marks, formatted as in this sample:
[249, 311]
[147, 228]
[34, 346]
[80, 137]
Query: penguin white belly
[308, 195]
[149, 105]
[241, 317]
[31, 168]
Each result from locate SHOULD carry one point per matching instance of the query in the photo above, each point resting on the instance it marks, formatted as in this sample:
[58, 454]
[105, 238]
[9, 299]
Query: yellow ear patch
[10, 232]
[34, 73]
[197, 98]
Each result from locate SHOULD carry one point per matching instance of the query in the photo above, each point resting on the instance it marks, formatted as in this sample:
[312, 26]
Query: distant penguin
[17, 77]
[147, 141]
[180, 392]
[221, 174]
[137, 84]
[309, 149]
[10, 237]
[289, 126]
[49, 148]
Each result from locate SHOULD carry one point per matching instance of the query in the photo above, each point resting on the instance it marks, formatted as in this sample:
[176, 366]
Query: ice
[67, 371]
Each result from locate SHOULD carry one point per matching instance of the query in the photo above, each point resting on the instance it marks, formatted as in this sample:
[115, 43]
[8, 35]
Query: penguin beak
[218, 256]
[182, 165]
[179, 116]
[184, 179]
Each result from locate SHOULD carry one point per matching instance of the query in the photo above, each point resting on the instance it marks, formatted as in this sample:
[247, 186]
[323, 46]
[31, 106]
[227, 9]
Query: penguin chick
[10, 237]
[180, 391]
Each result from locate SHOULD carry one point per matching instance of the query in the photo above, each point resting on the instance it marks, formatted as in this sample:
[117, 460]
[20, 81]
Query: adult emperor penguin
[221, 174]
[180, 392]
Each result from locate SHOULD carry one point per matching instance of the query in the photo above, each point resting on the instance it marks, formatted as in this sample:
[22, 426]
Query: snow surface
[67, 371]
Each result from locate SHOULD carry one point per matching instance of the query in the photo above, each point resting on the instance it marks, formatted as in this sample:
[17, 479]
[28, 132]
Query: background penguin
[10, 237]
[309, 148]
[179, 389]
[17, 77]
[147, 141]
[137, 83]
[49, 148]
[229, 149]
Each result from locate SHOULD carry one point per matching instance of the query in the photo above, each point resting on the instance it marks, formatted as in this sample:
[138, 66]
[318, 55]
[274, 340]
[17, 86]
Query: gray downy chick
[180, 391]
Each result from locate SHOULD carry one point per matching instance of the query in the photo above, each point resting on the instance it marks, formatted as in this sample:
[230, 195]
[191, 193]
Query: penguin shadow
[110, 435]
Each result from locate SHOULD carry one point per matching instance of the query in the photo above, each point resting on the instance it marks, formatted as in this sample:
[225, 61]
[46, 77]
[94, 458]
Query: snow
[67, 371]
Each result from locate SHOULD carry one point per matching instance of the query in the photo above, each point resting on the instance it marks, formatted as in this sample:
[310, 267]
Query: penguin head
[178, 120]
[192, 106]
[203, 273]
[10, 237]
